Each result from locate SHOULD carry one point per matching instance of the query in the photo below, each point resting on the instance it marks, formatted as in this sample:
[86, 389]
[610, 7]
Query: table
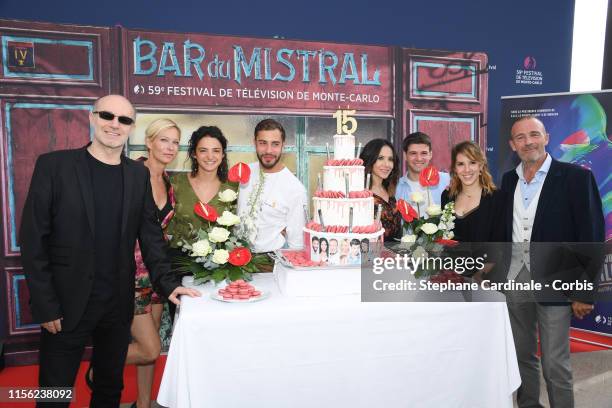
[338, 352]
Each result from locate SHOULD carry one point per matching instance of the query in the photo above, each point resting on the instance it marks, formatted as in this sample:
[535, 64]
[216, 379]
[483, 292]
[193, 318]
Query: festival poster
[577, 124]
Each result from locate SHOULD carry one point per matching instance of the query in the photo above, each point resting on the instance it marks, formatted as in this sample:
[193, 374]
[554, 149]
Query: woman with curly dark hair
[382, 163]
[207, 178]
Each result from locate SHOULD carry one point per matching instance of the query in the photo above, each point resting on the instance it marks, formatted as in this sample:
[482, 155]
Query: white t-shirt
[282, 208]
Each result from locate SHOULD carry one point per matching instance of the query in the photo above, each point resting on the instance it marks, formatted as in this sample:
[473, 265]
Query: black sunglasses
[124, 120]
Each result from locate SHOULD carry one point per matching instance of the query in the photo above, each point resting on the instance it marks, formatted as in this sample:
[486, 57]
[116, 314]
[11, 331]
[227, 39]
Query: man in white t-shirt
[418, 154]
[277, 206]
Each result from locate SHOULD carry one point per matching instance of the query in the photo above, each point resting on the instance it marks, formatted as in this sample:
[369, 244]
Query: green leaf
[261, 259]
[235, 274]
[218, 275]
[195, 268]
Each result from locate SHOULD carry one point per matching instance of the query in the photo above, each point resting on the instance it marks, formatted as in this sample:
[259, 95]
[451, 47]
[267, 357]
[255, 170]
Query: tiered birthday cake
[343, 227]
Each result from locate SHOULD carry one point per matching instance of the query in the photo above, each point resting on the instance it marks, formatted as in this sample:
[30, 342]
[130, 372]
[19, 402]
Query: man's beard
[268, 166]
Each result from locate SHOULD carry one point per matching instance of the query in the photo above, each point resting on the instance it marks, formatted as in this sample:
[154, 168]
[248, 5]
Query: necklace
[470, 195]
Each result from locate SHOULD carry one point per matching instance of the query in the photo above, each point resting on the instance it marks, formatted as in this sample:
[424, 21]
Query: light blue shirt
[404, 189]
[529, 190]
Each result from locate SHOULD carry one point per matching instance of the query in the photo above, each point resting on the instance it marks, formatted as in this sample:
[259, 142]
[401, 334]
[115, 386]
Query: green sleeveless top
[178, 228]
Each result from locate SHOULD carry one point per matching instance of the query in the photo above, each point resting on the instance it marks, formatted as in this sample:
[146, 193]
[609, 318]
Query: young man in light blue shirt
[418, 154]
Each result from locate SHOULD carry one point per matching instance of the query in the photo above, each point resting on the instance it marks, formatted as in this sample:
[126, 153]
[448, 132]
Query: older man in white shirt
[552, 202]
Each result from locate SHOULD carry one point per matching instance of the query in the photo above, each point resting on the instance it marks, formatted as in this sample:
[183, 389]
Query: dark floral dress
[145, 295]
[391, 218]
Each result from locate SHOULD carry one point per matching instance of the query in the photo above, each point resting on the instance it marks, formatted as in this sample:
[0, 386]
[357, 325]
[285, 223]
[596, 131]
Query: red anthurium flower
[408, 213]
[239, 173]
[429, 177]
[447, 242]
[239, 256]
[205, 211]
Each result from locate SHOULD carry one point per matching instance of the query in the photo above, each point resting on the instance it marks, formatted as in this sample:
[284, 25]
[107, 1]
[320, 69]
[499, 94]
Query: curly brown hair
[215, 133]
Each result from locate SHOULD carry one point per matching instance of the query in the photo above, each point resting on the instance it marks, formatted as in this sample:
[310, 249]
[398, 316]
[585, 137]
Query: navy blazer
[57, 237]
[569, 211]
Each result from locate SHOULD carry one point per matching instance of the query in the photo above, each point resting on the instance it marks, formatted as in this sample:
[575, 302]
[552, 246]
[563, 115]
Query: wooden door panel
[59, 60]
[444, 79]
[19, 314]
[30, 129]
[446, 129]
[445, 96]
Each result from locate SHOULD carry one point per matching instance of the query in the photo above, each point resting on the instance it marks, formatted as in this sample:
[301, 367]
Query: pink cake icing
[337, 239]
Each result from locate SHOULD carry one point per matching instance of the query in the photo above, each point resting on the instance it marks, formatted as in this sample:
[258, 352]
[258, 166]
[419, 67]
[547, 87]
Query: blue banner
[577, 124]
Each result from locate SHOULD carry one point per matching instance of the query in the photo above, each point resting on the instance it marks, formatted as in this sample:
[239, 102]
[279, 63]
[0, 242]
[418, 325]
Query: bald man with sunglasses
[84, 212]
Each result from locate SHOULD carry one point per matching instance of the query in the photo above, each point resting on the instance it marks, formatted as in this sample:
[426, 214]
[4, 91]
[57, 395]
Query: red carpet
[578, 346]
[27, 376]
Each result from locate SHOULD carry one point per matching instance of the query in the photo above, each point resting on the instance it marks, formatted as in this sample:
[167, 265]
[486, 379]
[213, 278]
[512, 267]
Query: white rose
[409, 238]
[228, 219]
[417, 197]
[228, 195]
[433, 210]
[218, 234]
[200, 248]
[429, 228]
[220, 256]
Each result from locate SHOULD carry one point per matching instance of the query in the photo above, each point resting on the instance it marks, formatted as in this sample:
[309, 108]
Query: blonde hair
[157, 126]
[473, 152]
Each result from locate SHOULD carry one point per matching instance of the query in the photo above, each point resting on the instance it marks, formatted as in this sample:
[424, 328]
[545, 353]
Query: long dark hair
[321, 240]
[215, 133]
[370, 154]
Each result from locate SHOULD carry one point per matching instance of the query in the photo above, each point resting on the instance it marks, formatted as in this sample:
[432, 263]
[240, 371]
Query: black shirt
[481, 231]
[484, 223]
[107, 183]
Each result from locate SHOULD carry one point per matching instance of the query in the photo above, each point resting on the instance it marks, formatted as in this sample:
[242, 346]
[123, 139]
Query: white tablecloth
[338, 352]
